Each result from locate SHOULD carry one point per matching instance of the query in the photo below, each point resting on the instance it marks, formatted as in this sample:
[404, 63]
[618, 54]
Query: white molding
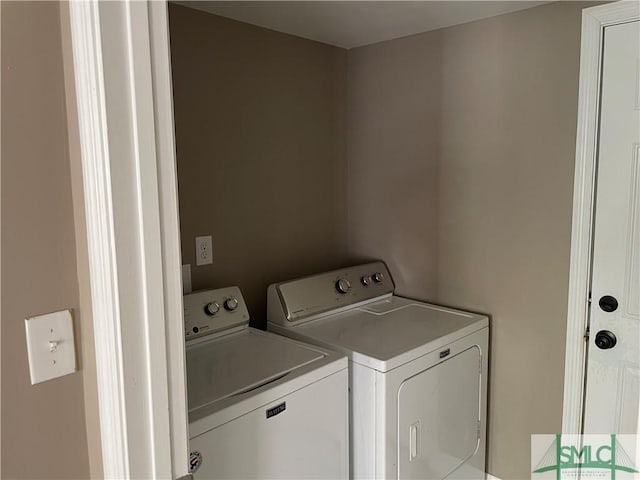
[594, 20]
[170, 231]
[151, 363]
[121, 64]
[614, 13]
[85, 30]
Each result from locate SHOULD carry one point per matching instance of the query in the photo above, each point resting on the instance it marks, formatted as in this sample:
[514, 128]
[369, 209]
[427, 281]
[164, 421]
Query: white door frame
[125, 111]
[594, 20]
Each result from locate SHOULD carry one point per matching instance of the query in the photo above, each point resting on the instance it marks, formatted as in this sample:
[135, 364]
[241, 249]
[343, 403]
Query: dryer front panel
[439, 413]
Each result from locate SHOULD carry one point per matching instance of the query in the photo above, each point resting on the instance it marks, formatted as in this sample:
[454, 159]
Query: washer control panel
[211, 311]
[298, 300]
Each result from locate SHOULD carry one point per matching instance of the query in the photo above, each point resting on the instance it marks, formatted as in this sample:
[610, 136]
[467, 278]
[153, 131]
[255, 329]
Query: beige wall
[462, 147]
[393, 110]
[43, 426]
[261, 152]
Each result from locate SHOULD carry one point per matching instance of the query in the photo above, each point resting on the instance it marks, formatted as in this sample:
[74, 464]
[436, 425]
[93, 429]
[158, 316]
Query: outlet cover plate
[204, 250]
[50, 346]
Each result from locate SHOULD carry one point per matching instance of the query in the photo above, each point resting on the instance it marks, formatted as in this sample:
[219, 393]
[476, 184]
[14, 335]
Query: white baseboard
[491, 477]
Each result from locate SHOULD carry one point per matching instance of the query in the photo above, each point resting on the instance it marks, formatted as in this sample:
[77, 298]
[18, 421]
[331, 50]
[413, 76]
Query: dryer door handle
[414, 440]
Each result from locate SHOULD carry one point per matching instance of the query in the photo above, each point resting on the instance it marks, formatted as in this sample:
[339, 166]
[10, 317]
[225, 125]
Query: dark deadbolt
[608, 303]
[605, 339]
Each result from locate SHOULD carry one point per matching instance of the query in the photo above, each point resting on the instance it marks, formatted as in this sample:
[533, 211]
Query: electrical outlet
[204, 251]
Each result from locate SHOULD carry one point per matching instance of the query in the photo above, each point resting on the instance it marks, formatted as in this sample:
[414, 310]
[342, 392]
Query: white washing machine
[418, 375]
[260, 405]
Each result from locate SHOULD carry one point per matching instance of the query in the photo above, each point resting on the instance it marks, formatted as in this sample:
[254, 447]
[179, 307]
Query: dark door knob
[605, 339]
[608, 303]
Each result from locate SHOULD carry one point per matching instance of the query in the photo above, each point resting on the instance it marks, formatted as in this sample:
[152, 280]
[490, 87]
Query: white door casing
[169, 232]
[612, 392]
[594, 21]
[123, 88]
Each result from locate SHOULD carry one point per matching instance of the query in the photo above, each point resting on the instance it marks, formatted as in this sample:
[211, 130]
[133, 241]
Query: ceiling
[349, 24]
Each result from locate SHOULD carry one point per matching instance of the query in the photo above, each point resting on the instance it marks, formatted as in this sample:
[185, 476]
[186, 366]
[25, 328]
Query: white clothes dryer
[418, 379]
[260, 405]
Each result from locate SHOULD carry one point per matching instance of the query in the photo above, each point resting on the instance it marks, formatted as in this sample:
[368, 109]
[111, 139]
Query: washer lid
[240, 362]
[388, 333]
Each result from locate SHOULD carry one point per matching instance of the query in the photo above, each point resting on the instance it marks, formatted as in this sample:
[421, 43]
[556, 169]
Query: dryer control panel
[307, 298]
[212, 311]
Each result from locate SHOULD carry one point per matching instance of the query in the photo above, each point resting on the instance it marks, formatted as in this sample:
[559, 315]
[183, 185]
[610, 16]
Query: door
[439, 419]
[612, 395]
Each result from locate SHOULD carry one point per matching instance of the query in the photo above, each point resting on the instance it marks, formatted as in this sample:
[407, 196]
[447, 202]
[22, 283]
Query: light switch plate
[50, 346]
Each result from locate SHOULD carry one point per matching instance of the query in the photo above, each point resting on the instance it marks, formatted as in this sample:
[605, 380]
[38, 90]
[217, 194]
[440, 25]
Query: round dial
[211, 308]
[378, 277]
[366, 280]
[231, 304]
[343, 285]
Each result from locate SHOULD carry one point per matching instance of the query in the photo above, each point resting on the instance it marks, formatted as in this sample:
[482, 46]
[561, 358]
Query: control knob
[211, 308]
[230, 304]
[378, 277]
[343, 285]
[366, 280]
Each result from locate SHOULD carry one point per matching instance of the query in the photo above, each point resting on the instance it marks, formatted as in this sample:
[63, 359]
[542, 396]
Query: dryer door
[439, 418]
